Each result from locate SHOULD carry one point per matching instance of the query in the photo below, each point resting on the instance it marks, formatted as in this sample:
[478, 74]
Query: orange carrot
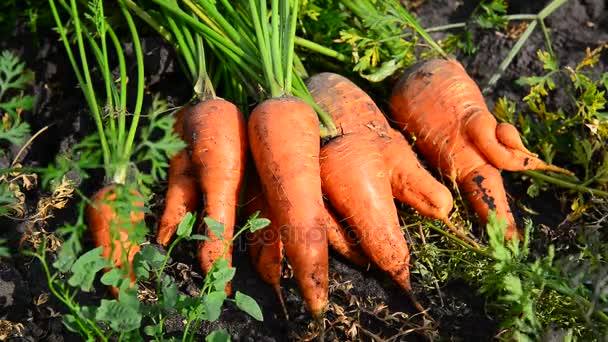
[341, 241]
[104, 225]
[438, 102]
[215, 130]
[284, 140]
[182, 190]
[354, 180]
[354, 112]
[359, 176]
[265, 246]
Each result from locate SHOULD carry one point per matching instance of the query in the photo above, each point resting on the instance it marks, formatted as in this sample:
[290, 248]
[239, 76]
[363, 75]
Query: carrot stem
[318, 48]
[464, 24]
[121, 173]
[550, 8]
[565, 184]
[143, 15]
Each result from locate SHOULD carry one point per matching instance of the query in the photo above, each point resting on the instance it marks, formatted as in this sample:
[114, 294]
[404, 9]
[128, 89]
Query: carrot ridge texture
[284, 141]
[182, 189]
[442, 106]
[217, 137]
[101, 218]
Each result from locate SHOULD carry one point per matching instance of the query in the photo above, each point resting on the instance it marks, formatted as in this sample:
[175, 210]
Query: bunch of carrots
[326, 164]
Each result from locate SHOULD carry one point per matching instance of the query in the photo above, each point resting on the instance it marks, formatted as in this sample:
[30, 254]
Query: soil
[371, 303]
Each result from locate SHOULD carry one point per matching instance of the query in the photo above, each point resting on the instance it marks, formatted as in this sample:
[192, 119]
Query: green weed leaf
[86, 267]
[213, 305]
[249, 305]
[216, 227]
[256, 223]
[119, 315]
[113, 277]
[184, 228]
[220, 335]
[169, 291]
[222, 274]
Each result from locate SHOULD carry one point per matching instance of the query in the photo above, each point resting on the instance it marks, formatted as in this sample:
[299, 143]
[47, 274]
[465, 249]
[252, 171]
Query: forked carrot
[438, 102]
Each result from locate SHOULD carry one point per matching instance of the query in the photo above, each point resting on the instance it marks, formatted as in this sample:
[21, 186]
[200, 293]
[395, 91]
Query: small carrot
[216, 133]
[182, 190]
[342, 241]
[105, 229]
[438, 102]
[284, 141]
[265, 246]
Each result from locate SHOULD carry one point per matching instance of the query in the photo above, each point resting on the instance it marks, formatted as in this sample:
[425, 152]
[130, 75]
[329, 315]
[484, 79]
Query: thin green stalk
[202, 14]
[211, 35]
[266, 58]
[230, 31]
[275, 41]
[243, 33]
[543, 28]
[143, 15]
[190, 42]
[550, 8]
[121, 175]
[511, 17]
[183, 47]
[290, 45]
[318, 48]
[565, 184]
[122, 67]
[88, 86]
[512, 53]
[106, 74]
[407, 17]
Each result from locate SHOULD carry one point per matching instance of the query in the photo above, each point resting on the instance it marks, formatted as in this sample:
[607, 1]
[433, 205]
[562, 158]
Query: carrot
[352, 172]
[103, 220]
[182, 190]
[363, 168]
[356, 113]
[284, 141]
[216, 133]
[438, 102]
[264, 246]
[341, 241]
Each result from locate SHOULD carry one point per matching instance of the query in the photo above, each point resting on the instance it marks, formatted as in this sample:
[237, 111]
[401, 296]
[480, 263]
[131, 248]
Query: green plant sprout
[529, 294]
[14, 79]
[72, 273]
[379, 36]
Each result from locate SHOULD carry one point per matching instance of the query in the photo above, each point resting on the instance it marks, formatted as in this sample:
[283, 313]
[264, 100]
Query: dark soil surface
[364, 303]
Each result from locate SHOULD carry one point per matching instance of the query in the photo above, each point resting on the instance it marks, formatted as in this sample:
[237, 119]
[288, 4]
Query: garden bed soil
[364, 303]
